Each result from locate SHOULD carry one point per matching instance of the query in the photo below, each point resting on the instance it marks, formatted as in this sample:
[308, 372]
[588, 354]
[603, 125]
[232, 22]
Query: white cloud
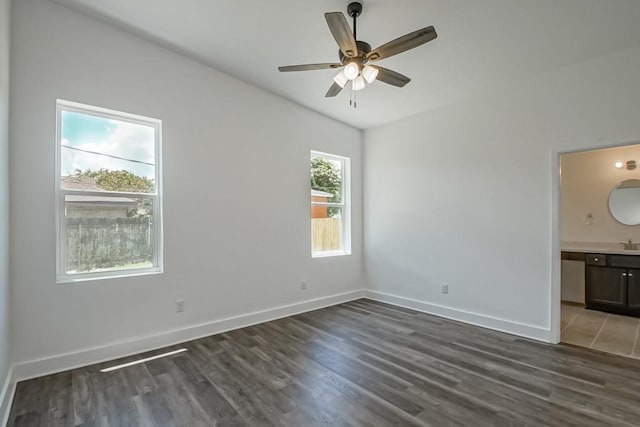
[120, 139]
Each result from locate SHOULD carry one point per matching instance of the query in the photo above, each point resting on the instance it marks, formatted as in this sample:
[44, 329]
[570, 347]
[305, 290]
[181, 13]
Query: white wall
[236, 191]
[464, 194]
[4, 204]
[587, 179]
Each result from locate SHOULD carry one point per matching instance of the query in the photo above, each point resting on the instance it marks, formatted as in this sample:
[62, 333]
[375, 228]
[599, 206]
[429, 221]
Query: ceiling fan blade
[342, 33]
[391, 77]
[307, 67]
[404, 43]
[333, 90]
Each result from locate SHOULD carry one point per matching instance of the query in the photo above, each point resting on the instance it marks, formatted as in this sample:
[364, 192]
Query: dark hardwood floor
[360, 363]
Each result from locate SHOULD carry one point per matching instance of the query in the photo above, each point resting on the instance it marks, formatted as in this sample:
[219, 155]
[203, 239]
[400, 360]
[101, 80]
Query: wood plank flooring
[359, 363]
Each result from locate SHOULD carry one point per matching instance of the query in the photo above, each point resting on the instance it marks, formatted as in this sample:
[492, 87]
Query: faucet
[630, 245]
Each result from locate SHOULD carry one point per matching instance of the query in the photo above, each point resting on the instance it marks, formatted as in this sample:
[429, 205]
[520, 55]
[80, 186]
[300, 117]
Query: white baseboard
[502, 325]
[62, 362]
[6, 397]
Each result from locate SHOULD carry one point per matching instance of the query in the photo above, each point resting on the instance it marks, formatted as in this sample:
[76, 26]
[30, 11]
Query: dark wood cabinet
[606, 287]
[613, 283]
[633, 291]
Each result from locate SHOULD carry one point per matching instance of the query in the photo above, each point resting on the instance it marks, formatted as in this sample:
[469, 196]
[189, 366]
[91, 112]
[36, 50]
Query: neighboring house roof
[318, 193]
[89, 184]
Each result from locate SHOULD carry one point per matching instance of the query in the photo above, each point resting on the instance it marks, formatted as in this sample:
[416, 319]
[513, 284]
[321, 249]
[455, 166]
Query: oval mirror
[624, 202]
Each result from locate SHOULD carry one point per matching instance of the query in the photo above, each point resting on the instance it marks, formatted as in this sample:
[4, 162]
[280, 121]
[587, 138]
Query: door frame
[556, 248]
[556, 243]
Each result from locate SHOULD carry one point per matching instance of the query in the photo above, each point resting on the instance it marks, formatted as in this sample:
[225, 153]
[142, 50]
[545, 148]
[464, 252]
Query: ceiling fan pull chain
[353, 100]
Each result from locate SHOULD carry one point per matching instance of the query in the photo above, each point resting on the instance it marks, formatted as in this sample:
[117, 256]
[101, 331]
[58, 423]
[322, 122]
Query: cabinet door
[633, 290]
[606, 287]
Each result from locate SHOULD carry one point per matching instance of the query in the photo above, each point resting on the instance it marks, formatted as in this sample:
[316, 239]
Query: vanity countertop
[598, 248]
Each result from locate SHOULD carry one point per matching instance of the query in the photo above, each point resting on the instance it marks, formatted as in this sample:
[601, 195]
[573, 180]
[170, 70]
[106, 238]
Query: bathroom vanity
[611, 279]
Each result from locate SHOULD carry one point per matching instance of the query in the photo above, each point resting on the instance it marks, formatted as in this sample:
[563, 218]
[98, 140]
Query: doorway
[599, 229]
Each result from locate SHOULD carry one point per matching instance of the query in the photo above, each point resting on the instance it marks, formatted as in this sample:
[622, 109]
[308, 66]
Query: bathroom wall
[587, 179]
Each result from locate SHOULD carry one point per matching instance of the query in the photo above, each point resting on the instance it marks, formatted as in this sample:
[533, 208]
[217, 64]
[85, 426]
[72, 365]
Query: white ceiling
[481, 45]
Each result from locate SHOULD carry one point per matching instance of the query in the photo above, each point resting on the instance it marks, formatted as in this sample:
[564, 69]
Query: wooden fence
[97, 243]
[326, 234]
[94, 243]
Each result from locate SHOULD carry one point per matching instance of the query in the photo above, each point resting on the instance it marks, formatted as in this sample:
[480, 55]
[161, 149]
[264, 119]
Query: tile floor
[601, 331]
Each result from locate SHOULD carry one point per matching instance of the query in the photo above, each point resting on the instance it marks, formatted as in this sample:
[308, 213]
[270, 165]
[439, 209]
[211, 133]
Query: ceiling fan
[355, 55]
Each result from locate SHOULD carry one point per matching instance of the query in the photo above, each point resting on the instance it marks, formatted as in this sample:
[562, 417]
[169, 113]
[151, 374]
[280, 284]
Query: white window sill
[326, 254]
[73, 278]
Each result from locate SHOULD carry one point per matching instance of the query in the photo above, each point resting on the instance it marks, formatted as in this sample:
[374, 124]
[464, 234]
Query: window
[330, 205]
[108, 190]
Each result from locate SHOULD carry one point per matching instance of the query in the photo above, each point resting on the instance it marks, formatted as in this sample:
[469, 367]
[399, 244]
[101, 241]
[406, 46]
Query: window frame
[345, 205]
[60, 194]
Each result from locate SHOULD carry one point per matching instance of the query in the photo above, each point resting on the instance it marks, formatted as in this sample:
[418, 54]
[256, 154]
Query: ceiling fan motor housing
[354, 9]
[363, 49]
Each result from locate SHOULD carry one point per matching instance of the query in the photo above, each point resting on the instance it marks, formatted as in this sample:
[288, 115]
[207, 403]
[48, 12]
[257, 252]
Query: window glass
[92, 143]
[329, 205]
[109, 216]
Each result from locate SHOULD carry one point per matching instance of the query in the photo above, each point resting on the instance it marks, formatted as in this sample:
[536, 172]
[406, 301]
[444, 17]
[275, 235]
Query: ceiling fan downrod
[354, 9]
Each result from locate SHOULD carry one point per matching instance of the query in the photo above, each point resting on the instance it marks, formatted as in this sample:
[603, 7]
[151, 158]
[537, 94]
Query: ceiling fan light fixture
[341, 79]
[358, 83]
[351, 71]
[369, 73]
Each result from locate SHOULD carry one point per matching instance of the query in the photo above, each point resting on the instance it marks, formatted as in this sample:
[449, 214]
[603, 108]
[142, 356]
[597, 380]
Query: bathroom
[600, 234]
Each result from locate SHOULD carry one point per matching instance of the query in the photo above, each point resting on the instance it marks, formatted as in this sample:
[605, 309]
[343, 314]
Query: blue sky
[112, 137]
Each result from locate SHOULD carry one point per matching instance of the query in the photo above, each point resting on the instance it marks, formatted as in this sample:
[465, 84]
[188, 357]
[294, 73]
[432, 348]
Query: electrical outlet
[303, 285]
[179, 305]
[444, 288]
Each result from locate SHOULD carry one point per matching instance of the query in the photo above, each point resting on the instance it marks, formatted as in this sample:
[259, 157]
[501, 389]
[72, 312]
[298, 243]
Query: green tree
[119, 180]
[123, 180]
[325, 176]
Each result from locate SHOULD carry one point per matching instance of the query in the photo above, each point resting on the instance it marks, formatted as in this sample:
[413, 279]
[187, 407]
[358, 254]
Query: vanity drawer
[596, 259]
[573, 256]
[628, 261]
